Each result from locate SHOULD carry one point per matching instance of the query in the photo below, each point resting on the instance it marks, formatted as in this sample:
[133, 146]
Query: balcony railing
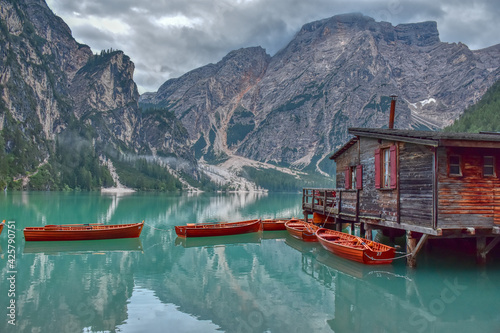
[320, 200]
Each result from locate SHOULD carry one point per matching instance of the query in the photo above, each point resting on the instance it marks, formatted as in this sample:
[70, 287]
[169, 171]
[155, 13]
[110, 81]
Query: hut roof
[428, 138]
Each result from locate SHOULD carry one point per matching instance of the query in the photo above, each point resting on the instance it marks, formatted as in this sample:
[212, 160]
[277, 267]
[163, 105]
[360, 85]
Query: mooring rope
[395, 258]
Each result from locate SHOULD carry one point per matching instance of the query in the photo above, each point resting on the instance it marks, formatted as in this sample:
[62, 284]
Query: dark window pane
[454, 160]
[488, 171]
[454, 169]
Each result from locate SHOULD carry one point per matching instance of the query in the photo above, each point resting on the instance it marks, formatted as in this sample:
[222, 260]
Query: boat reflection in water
[354, 283]
[254, 237]
[84, 247]
[300, 245]
[275, 234]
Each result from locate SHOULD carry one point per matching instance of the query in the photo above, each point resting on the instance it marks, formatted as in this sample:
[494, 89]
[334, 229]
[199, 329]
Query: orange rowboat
[302, 230]
[70, 232]
[355, 248]
[217, 229]
[272, 225]
[1, 226]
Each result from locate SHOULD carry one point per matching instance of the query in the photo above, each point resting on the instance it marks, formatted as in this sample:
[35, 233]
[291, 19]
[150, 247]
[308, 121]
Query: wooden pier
[414, 183]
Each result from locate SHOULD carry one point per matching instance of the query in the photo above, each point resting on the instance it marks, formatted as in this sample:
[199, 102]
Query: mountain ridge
[337, 73]
[66, 113]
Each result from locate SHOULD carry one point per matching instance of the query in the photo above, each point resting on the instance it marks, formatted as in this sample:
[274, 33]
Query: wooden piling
[368, 233]
[413, 246]
[480, 250]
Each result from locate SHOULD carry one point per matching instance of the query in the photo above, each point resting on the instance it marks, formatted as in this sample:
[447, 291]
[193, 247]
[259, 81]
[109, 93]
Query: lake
[259, 282]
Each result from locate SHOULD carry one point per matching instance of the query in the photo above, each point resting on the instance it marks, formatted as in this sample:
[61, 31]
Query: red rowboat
[71, 232]
[355, 248]
[1, 226]
[273, 225]
[302, 230]
[217, 229]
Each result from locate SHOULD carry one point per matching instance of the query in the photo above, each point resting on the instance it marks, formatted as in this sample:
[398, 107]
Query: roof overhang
[394, 137]
[348, 145]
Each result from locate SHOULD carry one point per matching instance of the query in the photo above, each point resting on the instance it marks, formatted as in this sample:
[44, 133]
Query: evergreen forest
[484, 116]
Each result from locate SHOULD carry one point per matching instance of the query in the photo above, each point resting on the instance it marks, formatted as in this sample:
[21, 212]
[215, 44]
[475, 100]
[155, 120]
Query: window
[489, 166]
[354, 177]
[455, 168]
[386, 167]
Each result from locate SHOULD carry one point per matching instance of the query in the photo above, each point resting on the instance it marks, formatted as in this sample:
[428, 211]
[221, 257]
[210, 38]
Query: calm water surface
[261, 282]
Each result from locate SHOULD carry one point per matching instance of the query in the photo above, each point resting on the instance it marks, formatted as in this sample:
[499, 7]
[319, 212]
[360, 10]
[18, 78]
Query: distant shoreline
[117, 190]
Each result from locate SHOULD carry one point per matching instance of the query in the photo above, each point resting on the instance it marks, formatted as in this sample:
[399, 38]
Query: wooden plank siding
[416, 184]
[426, 198]
[469, 200]
[376, 203]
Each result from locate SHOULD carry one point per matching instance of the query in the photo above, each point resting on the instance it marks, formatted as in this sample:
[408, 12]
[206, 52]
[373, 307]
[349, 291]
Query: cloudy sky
[167, 38]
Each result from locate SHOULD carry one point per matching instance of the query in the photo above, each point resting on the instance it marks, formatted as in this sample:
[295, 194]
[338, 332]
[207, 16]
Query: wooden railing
[321, 200]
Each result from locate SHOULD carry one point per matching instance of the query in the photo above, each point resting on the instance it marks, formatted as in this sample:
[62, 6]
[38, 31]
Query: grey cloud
[221, 26]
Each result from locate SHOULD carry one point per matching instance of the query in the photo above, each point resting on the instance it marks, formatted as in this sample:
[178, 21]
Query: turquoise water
[260, 282]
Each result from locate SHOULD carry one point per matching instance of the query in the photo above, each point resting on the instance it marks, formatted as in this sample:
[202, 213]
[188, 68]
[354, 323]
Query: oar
[363, 243]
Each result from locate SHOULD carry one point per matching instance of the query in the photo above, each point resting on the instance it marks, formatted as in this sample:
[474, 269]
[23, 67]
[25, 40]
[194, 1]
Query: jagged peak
[253, 50]
[420, 34]
[345, 20]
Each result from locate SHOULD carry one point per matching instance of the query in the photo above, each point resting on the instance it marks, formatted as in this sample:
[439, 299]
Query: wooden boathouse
[419, 183]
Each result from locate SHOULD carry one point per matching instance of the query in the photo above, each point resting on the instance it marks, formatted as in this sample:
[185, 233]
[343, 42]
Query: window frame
[492, 166]
[385, 182]
[352, 169]
[353, 177]
[459, 165]
[386, 167]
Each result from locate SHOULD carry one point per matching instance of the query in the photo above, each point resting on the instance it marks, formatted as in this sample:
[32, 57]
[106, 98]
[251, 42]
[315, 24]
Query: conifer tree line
[74, 162]
[484, 116]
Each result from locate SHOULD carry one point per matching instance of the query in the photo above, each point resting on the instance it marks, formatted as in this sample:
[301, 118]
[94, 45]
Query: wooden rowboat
[355, 248]
[270, 224]
[302, 230]
[91, 231]
[217, 229]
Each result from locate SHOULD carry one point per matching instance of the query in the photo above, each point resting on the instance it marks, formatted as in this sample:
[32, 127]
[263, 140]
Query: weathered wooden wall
[377, 203]
[347, 199]
[471, 199]
[416, 184]
[373, 201]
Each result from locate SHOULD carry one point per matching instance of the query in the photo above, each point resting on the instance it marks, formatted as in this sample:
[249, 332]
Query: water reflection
[259, 282]
[84, 247]
[146, 313]
[254, 237]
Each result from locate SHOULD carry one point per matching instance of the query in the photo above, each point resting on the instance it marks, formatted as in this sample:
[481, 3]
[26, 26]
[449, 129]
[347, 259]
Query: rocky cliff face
[105, 96]
[50, 83]
[208, 100]
[35, 90]
[294, 108]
